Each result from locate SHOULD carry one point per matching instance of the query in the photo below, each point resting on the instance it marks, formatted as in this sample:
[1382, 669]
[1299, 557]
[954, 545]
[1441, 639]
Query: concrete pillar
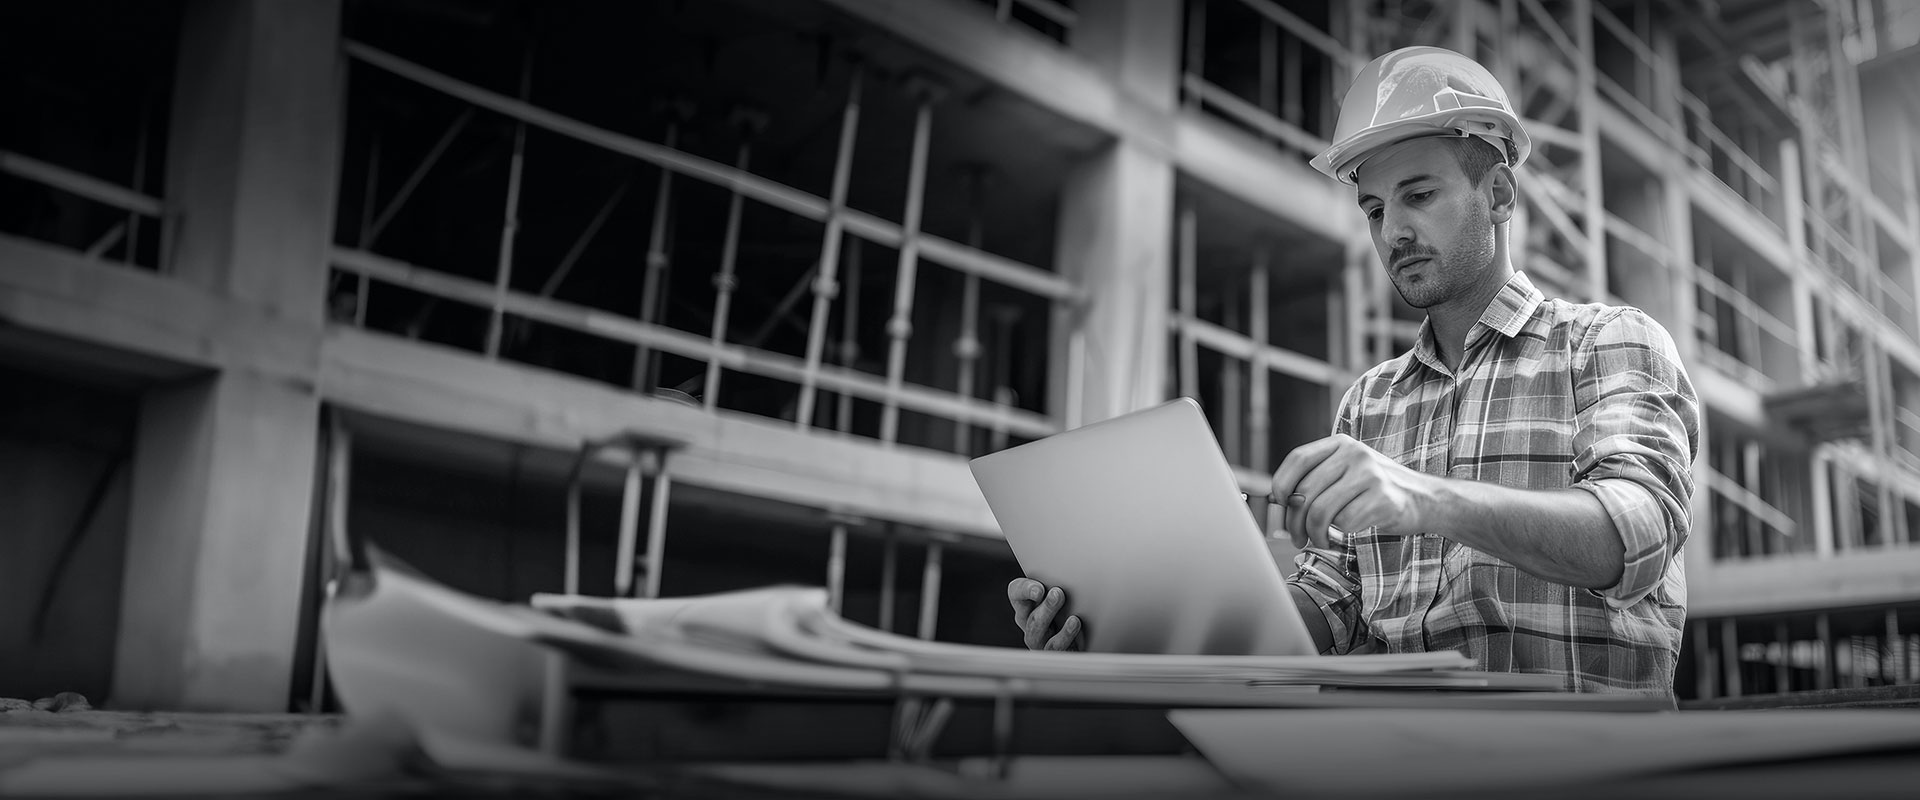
[1116, 223]
[252, 151]
[223, 474]
[1136, 43]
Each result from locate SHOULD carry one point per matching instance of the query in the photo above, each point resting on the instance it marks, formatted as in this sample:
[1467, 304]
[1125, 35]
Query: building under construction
[675, 297]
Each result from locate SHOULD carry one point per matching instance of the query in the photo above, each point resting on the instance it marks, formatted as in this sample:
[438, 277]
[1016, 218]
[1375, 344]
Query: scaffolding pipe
[1257, 399]
[1189, 353]
[139, 182]
[570, 582]
[725, 281]
[372, 234]
[837, 567]
[510, 223]
[889, 571]
[338, 558]
[363, 285]
[1020, 276]
[1196, 48]
[657, 523]
[656, 269]
[824, 287]
[629, 531]
[966, 349]
[1730, 656]
[579, 248]
[849, 333]
[900, 326]
[930, 592]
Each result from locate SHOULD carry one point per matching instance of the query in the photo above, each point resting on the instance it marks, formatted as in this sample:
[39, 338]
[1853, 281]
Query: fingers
[1068, 637]
[1327, 506]
[1023, 594]
[1300, 462]
[1037, 628]
[1307, 497]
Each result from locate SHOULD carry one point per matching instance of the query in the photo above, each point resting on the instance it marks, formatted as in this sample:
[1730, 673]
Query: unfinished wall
[65, 449]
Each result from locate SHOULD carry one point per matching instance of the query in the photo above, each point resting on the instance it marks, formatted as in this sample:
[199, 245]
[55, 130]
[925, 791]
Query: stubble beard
[1450, 274]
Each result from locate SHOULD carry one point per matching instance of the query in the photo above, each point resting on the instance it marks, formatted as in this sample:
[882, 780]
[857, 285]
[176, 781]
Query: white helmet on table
[1420, 91]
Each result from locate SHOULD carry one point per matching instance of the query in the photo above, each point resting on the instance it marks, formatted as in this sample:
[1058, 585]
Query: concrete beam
[61, 293]
[1857, 578]
[1252, 171]
[1050, 76]
[437, 387]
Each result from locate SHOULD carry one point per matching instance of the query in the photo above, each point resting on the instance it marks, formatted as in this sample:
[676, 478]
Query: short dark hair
[1475, 156]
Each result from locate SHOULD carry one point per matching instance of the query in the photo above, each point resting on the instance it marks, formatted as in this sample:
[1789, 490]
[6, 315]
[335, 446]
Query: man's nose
[1396, 229]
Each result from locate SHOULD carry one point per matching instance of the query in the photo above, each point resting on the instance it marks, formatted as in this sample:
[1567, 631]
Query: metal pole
[1703, 675]
[1730, 656]
[629, 530]
[338, 558]
[579, 247]
[1196, 47]
[657, 523]
[1783, 668]
[889, 569]
[510, 225]
[656, 264]
[1231, 377]
[966, 349]
[1823, 635]
[371, 234]
[1257, 393]
[824, 288]
[571, 581]
[724, 282]
[900, 326]
[138, 184]
[849, 333]
[837, 567]
[363, 283]
[1189, 353]
[930, 592]
[1890, 653]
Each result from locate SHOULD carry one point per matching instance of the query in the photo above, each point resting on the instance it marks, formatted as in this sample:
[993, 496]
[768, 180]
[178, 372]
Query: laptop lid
[1140, 520]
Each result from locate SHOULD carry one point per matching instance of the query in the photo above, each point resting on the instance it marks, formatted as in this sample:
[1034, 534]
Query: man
[1516, 486]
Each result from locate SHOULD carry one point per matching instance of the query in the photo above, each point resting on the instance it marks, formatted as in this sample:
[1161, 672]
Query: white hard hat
[1420, 91]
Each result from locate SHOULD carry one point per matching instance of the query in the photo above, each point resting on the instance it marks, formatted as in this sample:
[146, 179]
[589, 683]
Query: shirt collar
[1506, 314]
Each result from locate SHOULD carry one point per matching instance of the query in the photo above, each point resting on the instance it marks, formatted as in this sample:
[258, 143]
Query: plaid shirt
[1550, 395]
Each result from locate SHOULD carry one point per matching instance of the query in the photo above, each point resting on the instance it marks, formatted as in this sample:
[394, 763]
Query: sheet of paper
[1438, 751]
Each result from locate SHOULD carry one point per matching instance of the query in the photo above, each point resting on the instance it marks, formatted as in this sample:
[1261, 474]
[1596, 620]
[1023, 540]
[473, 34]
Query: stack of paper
[789, 635]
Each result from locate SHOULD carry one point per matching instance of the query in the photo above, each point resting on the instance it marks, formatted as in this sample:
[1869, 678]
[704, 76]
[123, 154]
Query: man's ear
[1502, 193]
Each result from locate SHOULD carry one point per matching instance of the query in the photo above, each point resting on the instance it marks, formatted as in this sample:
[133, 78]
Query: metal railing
[810, 373]
[140, 209]
[1276, 107]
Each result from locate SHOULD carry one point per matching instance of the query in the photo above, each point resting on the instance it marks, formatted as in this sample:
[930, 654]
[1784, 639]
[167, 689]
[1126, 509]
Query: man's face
[1433, 230]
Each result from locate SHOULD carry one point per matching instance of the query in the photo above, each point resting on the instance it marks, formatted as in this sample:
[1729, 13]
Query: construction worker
[1516, 485]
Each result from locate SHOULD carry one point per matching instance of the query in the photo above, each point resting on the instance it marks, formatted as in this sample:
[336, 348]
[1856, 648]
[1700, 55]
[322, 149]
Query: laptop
[1140, 520]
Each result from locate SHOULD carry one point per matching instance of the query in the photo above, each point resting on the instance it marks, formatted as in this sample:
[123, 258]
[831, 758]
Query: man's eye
[1420, 197]
[1373, 213]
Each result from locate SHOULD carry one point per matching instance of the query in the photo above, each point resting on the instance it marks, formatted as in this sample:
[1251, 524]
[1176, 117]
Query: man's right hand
[1034, 609]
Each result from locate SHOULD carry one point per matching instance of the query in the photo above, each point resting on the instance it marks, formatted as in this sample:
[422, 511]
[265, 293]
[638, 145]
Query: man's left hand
[1339, 482]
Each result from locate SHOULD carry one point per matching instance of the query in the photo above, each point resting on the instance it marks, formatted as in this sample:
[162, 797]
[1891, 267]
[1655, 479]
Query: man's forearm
[1561, 535]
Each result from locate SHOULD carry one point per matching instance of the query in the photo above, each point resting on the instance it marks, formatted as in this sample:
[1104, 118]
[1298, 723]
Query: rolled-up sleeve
[1637, 427]
[1331, 576]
